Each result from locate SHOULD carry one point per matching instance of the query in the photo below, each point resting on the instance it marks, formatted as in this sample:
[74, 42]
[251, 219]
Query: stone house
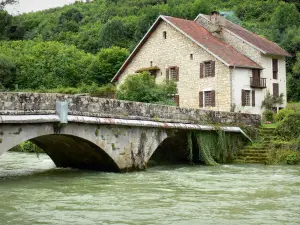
[218, 65]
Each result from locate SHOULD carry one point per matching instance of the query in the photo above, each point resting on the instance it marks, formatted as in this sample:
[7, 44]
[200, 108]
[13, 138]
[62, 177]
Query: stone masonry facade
[176, 50]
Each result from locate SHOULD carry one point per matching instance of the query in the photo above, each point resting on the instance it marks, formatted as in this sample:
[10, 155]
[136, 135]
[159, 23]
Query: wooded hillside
[76, 44]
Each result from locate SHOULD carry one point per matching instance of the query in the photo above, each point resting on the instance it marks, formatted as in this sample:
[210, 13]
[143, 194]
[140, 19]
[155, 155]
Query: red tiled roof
[200, 36]
[268, 47]
[203, 37]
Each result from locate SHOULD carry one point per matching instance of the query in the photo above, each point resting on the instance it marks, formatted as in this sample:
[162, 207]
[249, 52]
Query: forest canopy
[88, 42]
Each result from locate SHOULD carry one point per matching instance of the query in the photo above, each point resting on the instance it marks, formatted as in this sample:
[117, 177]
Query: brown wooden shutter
[213, 65]
[275, 64]
[275, 90]
[253, 98]
[167, 74]
[177, 73]
[177, 100]
[201, 99]
[213, 98]
[201, 70]
[243, 98]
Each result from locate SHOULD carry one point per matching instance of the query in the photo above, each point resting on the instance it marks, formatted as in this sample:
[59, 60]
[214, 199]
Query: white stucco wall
[266, 62]
[175, 51]
[240, 81]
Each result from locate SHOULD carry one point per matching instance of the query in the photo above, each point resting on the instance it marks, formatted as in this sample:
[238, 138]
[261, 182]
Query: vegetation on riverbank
[27, 147]
[284, 146]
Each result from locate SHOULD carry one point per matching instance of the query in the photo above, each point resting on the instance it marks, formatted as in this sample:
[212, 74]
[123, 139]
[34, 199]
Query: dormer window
[165, 34]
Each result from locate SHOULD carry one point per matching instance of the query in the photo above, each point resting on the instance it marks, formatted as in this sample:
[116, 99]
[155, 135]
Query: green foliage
[282, 114]
[215, 147]
[283, 156]
[142, 88]
[27, 147]
[5, 23]
[107, 63]
[8, 72]
[268, 115]
[270, 101]
[289, 127]
[100, 24]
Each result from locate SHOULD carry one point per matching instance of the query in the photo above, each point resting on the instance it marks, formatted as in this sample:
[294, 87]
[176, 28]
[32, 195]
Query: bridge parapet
[13, 103]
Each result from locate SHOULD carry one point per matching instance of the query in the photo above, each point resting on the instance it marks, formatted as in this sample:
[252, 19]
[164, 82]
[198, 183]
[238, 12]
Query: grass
[271, 125]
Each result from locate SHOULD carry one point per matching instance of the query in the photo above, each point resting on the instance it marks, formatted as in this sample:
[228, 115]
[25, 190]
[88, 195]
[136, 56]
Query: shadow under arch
[75, 152]
[172, 150]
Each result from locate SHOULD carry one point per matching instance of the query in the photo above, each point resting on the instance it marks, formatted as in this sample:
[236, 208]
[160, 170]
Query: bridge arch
[102, 147]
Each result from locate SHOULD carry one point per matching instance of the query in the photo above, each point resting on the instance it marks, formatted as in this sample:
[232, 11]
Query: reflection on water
[33, 191]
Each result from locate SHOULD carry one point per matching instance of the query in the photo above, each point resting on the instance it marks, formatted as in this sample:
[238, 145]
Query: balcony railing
[258, 82]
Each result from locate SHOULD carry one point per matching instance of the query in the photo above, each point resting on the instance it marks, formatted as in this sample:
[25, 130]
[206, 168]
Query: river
[33, 191]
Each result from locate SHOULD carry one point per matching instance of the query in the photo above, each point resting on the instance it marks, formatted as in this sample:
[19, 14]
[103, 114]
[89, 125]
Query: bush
[142, 88]
[268, 115]
[283, 156]
[289, 127]
[282, 114]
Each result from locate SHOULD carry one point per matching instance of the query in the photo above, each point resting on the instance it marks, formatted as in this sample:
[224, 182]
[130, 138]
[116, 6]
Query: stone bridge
[103, 134]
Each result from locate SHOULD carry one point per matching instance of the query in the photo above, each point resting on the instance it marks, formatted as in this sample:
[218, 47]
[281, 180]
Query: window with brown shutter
[275, 90]
[213, 98]
[275, 68]
[201, 70]
[253, 98]
[167, 75]
[245, 98]
[209, 98]
[201, 99]
[207, 69]
[177, 100]
[174, 73]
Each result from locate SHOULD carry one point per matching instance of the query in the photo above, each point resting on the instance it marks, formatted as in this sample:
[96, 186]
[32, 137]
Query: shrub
[268, 115]
[289, 127]
[282, 114]
[142, 88]
[283, 156]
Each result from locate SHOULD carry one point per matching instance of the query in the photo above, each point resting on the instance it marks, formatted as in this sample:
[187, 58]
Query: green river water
[33, 191]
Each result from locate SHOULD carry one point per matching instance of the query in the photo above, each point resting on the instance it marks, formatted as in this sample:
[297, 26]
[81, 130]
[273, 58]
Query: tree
[7, 72]
[4, 3]
[5, 23]
[107, 63]
[142, 88]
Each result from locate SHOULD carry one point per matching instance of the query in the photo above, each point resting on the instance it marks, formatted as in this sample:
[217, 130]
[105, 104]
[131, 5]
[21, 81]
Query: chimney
[216, 20]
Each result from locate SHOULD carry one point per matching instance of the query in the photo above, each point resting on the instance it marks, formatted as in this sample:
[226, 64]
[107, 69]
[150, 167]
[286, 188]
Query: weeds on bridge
[214, 146]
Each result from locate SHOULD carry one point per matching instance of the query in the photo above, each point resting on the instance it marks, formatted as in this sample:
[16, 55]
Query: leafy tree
[142, 88]
[4, 3]
[7, 72]
[107, 63]
[5, 23]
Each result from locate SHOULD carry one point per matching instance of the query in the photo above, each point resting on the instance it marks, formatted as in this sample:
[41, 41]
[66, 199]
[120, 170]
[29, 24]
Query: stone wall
[39, 103]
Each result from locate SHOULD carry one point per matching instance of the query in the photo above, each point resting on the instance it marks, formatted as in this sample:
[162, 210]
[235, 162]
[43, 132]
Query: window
[207, 69]
[172, 73]
[191, 56]
[165, 34]
[275, 68]
[246, 98]
[151, 63]
[275, 89]
[208, 98]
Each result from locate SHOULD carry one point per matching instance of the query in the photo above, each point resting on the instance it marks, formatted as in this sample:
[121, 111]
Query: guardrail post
[62, 111]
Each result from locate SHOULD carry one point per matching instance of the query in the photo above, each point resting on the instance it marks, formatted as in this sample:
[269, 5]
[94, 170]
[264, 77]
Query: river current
[33, 191]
